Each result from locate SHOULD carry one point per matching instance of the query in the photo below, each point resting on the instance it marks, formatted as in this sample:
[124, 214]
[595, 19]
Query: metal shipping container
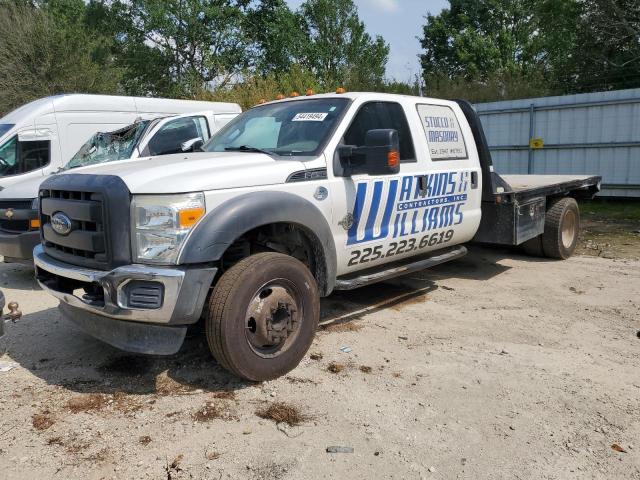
[590, 133]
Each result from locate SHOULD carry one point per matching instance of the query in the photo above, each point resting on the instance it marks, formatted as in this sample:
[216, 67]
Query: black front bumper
[135, 337]
[18, 246]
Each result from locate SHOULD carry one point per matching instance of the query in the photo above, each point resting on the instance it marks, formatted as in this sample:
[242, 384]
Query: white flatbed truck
[290, 201]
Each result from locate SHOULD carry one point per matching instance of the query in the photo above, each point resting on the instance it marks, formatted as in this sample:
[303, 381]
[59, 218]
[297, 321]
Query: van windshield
[5, 127]
[106, 147]
[300, 127]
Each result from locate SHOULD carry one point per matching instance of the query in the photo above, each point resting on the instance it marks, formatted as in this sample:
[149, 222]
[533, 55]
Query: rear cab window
[443, 132]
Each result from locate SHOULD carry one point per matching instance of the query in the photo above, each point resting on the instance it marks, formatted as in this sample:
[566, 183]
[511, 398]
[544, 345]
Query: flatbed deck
[528, 186]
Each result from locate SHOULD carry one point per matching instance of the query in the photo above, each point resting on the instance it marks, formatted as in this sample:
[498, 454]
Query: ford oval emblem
[61, 224]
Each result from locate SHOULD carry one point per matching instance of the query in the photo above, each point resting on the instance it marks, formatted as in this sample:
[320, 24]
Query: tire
[561, 228]
[262, 316]
[533, 247]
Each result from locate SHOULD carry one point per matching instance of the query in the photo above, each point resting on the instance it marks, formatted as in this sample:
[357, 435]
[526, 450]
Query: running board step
[373, 276]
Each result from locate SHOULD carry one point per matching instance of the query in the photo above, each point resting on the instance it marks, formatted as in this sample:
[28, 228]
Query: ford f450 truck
[288, 202]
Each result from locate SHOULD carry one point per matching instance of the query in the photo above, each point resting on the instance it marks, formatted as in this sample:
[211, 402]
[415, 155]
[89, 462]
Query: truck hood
[196, 171]
[23, 189]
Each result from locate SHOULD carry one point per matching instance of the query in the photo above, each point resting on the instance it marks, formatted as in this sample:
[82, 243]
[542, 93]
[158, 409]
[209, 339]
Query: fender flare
[232, 219]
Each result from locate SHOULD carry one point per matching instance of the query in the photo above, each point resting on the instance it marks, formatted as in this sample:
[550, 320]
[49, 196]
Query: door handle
[422, 184]
[474, 180]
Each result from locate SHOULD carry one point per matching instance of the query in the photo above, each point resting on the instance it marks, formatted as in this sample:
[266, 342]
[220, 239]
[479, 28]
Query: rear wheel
[561, 228]
[262, 316]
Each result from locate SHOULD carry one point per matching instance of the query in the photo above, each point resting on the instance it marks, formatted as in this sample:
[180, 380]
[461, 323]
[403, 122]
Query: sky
[400, 22]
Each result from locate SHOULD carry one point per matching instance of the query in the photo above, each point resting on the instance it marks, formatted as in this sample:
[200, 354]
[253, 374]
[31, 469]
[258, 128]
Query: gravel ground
[495, 366]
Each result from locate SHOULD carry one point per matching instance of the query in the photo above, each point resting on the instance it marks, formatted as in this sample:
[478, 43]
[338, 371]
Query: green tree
[177, 47]
[338, 49]
[606, 53]
[276, 32]
[45, 52]
[473, 39]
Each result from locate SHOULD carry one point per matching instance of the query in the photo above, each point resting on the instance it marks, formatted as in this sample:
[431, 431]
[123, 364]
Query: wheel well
[287, 238]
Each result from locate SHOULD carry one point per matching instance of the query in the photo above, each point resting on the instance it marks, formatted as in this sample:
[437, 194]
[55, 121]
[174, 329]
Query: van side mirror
[379, 156]
[192, 145]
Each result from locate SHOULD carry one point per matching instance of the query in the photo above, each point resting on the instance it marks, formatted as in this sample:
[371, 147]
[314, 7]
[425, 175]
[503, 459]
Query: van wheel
[533, 247]
[262, 316]
[561, 228]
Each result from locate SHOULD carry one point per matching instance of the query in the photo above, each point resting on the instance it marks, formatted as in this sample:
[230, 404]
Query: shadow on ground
[56, 351]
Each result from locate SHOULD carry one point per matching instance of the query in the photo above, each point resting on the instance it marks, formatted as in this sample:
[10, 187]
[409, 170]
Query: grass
[609, 209]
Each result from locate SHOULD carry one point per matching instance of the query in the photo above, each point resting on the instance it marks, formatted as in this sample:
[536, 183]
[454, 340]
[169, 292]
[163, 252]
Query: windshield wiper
[245, 148]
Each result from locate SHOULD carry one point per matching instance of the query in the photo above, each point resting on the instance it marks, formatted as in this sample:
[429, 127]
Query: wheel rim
[273, 317]
[569, 227]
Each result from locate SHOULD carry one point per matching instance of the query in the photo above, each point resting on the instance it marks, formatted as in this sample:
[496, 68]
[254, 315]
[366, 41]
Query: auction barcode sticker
[309, 117]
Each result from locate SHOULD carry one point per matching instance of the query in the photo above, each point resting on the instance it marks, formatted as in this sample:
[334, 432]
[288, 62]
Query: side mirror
[192, 145]
[379, 156]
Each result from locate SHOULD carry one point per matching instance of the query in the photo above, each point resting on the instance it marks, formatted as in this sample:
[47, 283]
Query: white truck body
[348, 188]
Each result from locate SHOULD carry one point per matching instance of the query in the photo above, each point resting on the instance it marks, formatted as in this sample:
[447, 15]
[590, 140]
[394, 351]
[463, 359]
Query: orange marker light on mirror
[393, 158]
[189, 217]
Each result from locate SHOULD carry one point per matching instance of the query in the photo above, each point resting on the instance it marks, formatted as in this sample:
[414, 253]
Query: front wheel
[262, 316]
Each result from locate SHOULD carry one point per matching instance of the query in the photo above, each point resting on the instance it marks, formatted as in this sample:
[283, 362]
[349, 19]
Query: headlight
[161, 223]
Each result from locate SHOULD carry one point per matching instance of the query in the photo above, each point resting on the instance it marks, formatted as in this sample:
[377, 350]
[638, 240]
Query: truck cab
[150, 133]
[288, 202]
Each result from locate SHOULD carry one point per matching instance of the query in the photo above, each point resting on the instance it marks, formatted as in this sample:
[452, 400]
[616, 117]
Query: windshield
[106, 147]
[298, 127]
[5, 127]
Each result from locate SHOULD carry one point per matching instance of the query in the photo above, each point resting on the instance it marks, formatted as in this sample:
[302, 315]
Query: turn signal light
[340, 90]
[34, 224]
[189, 217]
[393, 159]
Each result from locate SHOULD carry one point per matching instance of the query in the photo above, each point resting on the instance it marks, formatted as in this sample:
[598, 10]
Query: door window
[382, 115]
[174, 133]
[23, 157]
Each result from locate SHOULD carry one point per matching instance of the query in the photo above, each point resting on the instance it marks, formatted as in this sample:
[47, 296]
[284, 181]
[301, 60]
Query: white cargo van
[40, 137]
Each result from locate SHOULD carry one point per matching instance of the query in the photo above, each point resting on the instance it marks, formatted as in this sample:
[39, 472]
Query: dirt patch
[87, 403]
[225, 395]
[166, 386]
[144, 440]
[365, 369]
[350, 326]
[335, 367]
[282, 412]
[126, 404]
[42, 421]
[212, 411]
[316, 356]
